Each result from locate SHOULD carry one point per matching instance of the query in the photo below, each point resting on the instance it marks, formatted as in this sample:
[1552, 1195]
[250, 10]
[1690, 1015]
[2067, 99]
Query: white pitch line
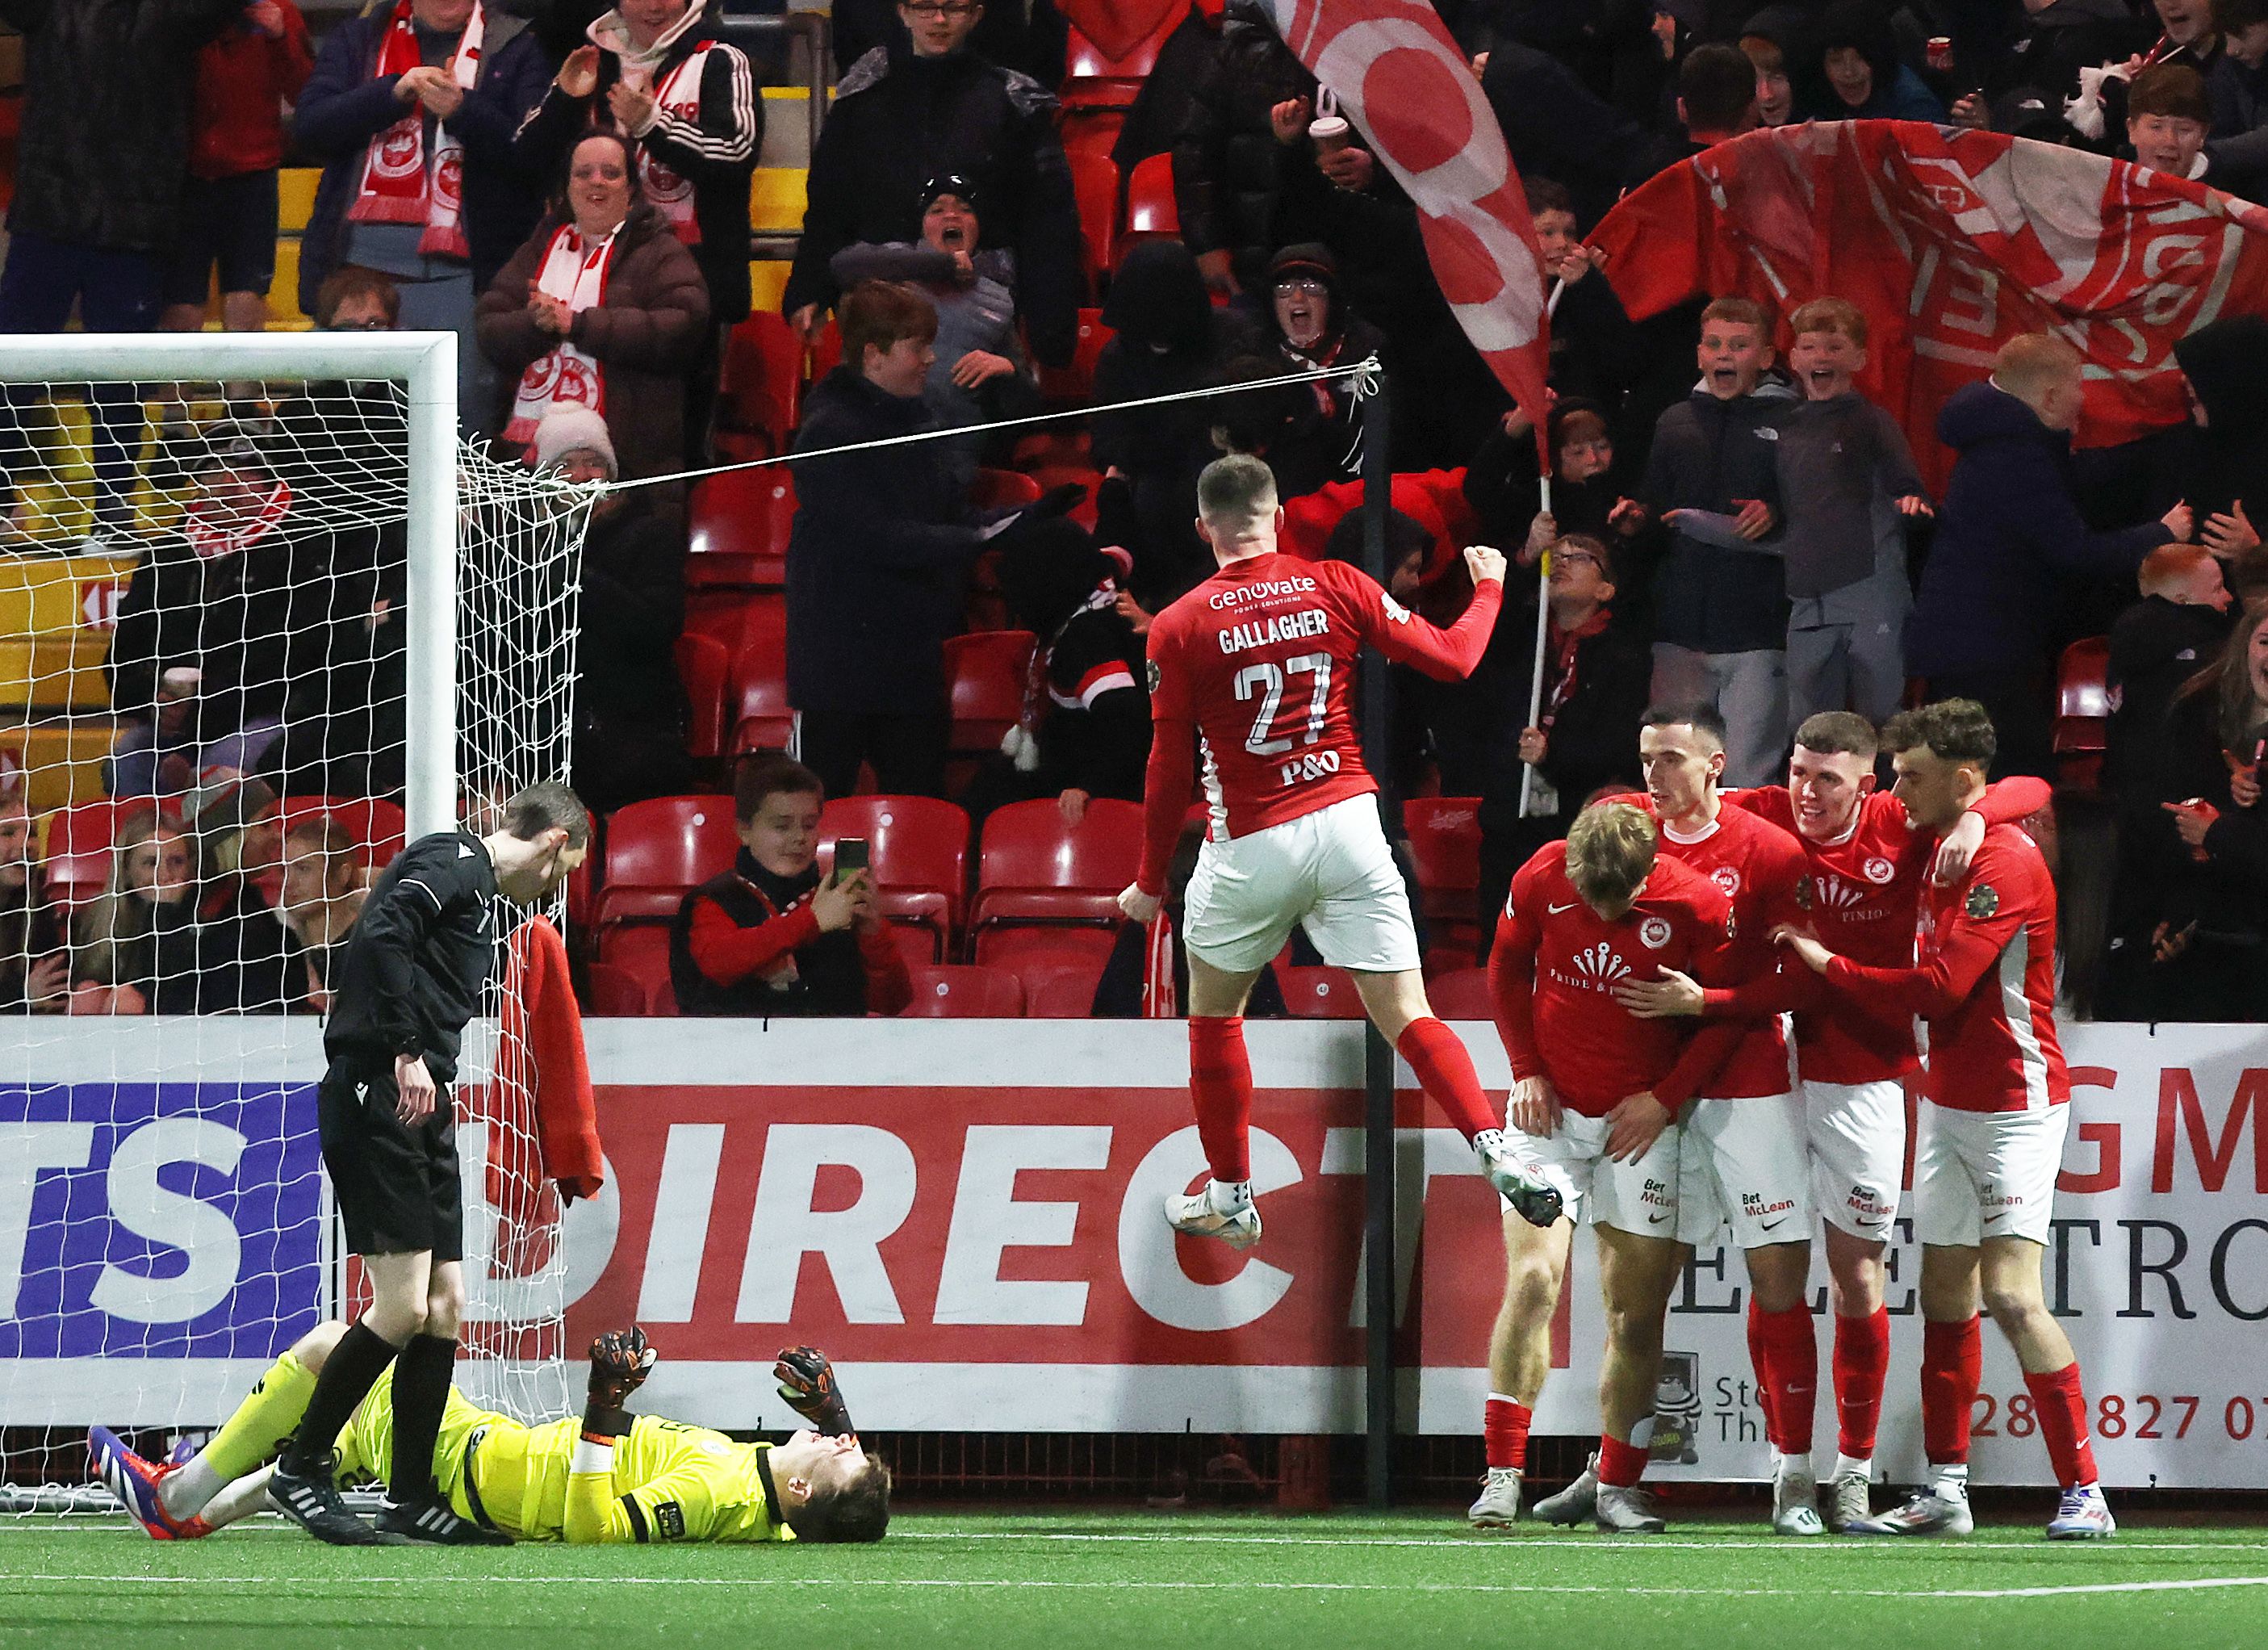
[9, 1584]
[1651, 1544]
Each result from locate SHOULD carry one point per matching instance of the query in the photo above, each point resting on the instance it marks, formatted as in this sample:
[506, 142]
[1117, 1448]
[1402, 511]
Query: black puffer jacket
[105, 134]
[1229, 172]
[878, 558]
[899, 121]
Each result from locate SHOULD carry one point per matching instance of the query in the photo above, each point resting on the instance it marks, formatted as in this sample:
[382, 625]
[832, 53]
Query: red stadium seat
[1073, 385]
[1094, 184]
[1055, 991]
[1151, 213]
[951, 992]
[826, 349]
[1462, 995]
[658, 850]
[613, 991]
[1319, 994]
[1003, 490]
[1034, 869]
[1091, 131]
[376, 825]
[759, 388]
[984, 674]
[919, 848]
[755, 695]
[2082, 723]
[737, 526]
[1092, 80]
[641, 951]
[1030, 949]
[702, 664]
[1445, 846]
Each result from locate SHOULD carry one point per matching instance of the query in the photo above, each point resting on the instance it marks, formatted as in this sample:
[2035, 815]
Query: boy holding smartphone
[772, 936]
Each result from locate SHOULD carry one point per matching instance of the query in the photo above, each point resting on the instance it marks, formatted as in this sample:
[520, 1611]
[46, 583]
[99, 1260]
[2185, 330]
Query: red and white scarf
[677, 93]
[574, 271]
[213, 540]
[401, 183]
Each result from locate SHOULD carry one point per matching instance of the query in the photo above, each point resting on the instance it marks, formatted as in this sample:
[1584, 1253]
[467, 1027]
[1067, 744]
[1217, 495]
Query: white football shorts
[1856, 1133]
[1743, 1161]
[1638, 1196]
[1330, 871]
[1981, 1174]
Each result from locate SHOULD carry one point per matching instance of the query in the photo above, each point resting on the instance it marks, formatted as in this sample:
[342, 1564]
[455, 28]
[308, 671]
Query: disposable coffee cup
[1331, 133]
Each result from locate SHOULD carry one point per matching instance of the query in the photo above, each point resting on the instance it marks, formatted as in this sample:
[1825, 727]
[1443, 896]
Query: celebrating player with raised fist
[1253, 667]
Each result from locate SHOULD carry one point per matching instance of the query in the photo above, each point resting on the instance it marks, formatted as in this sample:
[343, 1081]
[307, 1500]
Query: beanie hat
[566, 429]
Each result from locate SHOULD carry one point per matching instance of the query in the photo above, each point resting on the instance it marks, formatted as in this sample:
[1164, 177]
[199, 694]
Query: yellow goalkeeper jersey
[668, 1481]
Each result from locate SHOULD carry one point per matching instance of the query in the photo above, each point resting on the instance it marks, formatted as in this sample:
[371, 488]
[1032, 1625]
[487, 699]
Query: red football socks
[1952, 1368]
[1221, 1088]
[1444, 1071]
[1790, 1372]
[1621, 1464]
[1862, 1359]
[1760, 1360]
[1504, 1429]
[2061, 1405]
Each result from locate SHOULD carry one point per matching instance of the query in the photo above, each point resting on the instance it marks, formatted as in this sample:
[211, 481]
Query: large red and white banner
[967, 1215]
[1408, 90]
[1952, 242]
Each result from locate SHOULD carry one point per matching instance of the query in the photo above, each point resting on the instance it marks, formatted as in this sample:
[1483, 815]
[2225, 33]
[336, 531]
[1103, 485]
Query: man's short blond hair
[1610, 850]
[2031, 364]
[2170, 566]
[1235, 491]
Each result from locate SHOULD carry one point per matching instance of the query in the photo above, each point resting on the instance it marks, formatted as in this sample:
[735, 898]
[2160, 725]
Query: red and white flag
[1952, 242]
[1402, 80]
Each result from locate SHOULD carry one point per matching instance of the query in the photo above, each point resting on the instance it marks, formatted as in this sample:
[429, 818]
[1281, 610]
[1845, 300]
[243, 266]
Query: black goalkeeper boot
[429, 1522]
[305, 1495]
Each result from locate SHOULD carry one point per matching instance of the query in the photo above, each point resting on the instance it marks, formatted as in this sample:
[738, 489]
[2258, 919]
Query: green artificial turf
[1094, 1581]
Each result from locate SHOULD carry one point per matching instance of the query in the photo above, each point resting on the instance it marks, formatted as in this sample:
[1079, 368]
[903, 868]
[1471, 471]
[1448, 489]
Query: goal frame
[425, 362]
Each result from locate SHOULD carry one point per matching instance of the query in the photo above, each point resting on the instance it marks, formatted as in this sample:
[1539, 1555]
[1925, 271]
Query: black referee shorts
[396, 1184]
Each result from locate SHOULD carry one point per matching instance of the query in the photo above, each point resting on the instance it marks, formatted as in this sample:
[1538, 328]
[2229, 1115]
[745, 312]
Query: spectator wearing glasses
[905, 114]
[1309, 326]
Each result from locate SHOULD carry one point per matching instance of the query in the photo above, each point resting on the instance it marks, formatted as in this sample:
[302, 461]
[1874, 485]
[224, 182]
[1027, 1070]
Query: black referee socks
[421, 1393]
[348, 1374]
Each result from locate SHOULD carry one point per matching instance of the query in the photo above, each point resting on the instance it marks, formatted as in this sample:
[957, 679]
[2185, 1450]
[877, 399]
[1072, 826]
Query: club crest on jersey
[1394, 610]
[1806, 897]
[1983, 900]
[1879, 870]
[1152, 674]
[1600, 963]
[1727, 878]
[1653, 933]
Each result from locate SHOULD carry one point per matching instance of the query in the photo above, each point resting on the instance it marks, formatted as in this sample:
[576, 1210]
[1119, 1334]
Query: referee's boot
[427, 1520]
[304, 1493]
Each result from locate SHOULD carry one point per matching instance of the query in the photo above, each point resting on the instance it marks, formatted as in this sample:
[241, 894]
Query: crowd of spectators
[566, 185]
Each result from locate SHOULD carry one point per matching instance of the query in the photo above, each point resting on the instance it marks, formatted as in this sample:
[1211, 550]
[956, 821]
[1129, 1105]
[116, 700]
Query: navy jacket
[878, 559]
[343, 106]
[1707, 452]
[2009, 539]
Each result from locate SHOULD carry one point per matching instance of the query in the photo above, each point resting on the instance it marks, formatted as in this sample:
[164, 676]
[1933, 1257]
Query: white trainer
[1935, 1510]
[2083, 1516]
[1578, 1501]
[1626, 1509]
[1796, 1503]
[1498, 1507]
[1195, 1215]
[1533, 1198]
[1849, 1502]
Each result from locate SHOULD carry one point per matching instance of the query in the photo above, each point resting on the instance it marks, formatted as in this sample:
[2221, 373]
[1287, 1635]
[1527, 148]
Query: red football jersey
[1260, 660]
[1866, 893]
[1556, 960]
[1985, 982]
[1762, 871]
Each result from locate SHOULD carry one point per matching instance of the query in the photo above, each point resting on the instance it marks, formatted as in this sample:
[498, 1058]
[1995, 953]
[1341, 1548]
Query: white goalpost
[194, 833]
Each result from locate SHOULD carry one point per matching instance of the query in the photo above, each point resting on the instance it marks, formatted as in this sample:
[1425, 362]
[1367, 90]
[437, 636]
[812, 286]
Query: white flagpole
[1542, 593]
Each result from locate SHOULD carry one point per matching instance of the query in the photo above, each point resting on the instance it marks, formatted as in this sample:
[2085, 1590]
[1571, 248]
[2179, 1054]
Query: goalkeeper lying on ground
[612, 1479]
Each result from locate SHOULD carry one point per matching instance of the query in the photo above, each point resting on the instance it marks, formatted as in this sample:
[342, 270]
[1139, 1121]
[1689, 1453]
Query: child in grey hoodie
[1847, 484]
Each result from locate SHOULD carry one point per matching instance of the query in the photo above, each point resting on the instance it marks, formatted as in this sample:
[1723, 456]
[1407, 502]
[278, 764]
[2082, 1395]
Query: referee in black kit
[415, 964]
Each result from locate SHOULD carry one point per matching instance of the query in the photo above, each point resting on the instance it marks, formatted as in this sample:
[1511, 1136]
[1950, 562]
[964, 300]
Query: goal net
[266, 616]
